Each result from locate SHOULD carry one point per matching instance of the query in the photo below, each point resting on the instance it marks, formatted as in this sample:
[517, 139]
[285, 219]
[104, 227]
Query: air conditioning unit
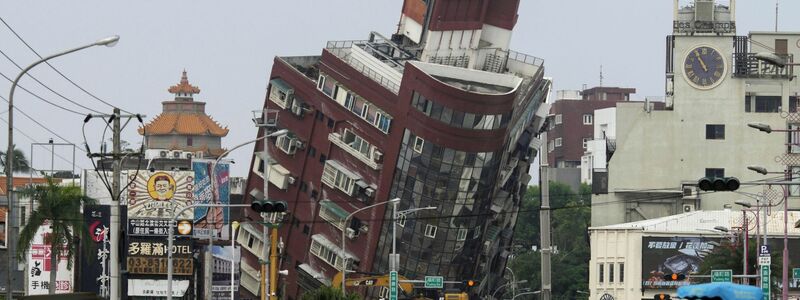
[689, 192]
[188, 155]
[688, 208]
[152, 153]
[351, 234]
[377, 155]
[199, 154]
[363, 228]
[299, 144]
[176, 153]
[291, 180]
[163, 153]
[370, 192]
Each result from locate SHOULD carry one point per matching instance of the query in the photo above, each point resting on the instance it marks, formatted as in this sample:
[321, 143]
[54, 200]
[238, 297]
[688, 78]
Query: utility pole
[116, 281]
[544, 221]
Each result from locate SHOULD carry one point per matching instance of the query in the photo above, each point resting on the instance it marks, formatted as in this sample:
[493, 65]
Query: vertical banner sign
[225, 258]
[4, 222]
[211, 187]
[765, 281]
[94, 265]
[39, 267]
[393, 285]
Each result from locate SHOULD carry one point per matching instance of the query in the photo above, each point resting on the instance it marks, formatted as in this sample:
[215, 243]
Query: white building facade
[714, 87]
[603, 138]
[628, 260]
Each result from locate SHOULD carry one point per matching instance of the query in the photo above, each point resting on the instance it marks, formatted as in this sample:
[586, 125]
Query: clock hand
[702, 63]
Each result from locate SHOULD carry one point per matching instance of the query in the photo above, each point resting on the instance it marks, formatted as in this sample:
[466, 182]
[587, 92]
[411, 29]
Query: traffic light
[661, 297]
[269, 206]
[718, 184]
[467, 284]
[674, 277]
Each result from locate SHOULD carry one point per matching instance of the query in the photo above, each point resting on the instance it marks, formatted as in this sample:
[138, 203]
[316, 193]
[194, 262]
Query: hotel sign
[149, 256]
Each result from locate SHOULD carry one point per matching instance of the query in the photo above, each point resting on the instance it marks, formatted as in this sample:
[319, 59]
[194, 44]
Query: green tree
[571, 215]
[329, 293]
[18, 157]
[729, 256]
[60, 207]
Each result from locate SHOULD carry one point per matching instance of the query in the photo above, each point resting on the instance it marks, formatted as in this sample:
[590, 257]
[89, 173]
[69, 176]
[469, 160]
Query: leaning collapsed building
[440, 114]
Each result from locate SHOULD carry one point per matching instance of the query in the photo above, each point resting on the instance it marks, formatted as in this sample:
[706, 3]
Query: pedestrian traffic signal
[718, 184]
[674, 277]
[661, 297]
[269, 206]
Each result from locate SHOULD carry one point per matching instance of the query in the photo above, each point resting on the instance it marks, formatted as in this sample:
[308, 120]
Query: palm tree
[60, 206]
[20, 161]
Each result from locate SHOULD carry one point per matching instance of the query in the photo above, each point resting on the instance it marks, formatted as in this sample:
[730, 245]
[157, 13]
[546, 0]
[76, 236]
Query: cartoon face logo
[161, 186]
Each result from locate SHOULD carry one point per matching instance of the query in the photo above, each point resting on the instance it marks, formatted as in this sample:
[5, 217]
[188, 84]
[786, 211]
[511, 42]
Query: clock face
[704, 67]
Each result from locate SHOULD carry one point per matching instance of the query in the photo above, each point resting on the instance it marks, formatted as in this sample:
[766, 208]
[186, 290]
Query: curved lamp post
[109, 42]
[344, 238]
[395, 260]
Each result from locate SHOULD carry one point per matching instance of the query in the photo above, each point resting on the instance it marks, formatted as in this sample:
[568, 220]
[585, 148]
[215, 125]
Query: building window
[558, 119]
[334, 176]
[588, 119]
[430, 230]
[189, 141]
[382, 121]
[401, 220]
[384, 293]
[418, 144]
[621, 272]
[331, 123]
[585, 143]
[357, 143]
[364, 111]
[610, 273]
[462, 234]
[312, 151]
[322, 158]
[762, 104]
[558, 142]
[477, 233]
[550, 146]
[715, 132]
[715, 173]
[600, 273]
[306, 229]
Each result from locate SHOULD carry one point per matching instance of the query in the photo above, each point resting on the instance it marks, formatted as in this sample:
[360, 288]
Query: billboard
[94, 186]
[148, 256]
[225, 258]
[211, 187]
[155, 197]
[95, 265]
[667, 255]
[39, 267]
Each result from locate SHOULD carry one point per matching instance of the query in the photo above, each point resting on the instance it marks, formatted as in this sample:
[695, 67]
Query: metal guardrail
[342, 50]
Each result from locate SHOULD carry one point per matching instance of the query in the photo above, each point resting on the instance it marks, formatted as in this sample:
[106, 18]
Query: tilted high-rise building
[440, 114]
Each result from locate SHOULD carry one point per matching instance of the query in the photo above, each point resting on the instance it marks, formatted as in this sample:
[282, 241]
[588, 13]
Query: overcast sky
[228, 47]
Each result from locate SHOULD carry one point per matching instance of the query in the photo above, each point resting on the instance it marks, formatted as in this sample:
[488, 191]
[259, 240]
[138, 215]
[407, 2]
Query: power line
[56, 70]
[40, 98]
[43, 147]
[42, 125]
[47, 87]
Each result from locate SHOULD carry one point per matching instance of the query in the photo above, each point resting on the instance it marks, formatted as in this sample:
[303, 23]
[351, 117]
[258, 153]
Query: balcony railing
[336, 139]
[746, 65]
[342, 50]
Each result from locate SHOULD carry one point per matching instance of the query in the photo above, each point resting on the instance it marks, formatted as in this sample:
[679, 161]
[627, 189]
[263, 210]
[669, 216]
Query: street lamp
[395, 258]
[109, 41]
[759, 169]
[507, 284]
[344, 238]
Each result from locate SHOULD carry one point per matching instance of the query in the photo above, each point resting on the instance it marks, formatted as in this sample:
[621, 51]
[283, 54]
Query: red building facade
[399, 117]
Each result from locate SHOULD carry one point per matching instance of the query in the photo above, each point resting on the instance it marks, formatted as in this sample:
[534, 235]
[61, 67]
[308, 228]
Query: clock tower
[700, 51]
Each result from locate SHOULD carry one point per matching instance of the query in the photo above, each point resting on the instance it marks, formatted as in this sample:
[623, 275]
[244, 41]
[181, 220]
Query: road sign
[763, 251]
[764, 260]
[721, 275]
[434, 282]
[796, 273]
[393, 285]
[765, 280]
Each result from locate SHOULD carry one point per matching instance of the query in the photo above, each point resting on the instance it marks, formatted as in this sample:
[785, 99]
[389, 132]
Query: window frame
[462, 234]
[588, 119]
[559, 119]
[713, 133]
[559, 142]
[586, 143]
[430, 231]
[419, 144]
